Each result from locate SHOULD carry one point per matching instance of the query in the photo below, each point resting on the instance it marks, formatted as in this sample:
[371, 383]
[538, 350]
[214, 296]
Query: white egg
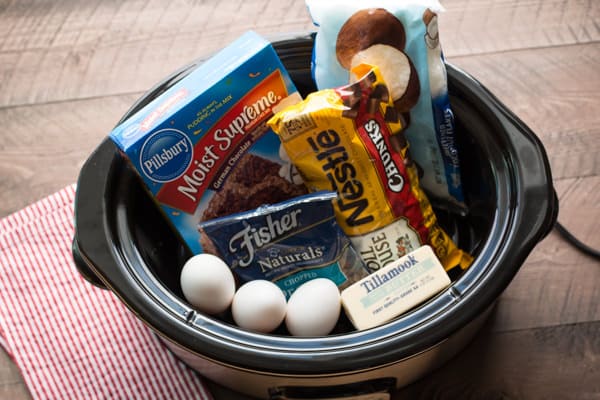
[314, 308]
[207, 283]
[258, 306]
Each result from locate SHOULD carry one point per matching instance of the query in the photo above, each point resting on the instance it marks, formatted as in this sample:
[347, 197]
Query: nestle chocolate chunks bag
[401, 38]
[350, 140]
[287, 243]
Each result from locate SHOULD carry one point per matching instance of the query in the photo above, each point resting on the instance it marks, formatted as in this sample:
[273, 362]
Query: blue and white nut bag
[287, 243]
[401, 38]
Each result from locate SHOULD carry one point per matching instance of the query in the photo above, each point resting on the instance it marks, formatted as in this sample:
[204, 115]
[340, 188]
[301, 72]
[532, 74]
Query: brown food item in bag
[254, 181]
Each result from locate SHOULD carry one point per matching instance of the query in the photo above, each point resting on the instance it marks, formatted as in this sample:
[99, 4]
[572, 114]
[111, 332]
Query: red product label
[391, 168]
[222, 140]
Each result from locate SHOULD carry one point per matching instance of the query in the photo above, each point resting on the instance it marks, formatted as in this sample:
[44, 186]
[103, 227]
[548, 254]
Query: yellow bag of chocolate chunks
[350, 140]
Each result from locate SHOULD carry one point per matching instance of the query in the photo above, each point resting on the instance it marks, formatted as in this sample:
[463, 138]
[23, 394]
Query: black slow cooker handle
[527, 155]
[84, 270]
[538, 190]
[90, 247]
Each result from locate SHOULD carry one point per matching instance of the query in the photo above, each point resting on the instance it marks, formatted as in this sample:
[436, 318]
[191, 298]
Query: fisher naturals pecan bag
[401, 38]
[351, 140]
[288, 243]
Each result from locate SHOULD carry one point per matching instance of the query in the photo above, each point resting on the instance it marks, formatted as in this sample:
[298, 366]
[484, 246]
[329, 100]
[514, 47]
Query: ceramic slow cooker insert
[122, 243]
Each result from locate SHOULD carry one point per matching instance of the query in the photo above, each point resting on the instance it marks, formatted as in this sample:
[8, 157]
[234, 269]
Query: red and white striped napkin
[70, 339]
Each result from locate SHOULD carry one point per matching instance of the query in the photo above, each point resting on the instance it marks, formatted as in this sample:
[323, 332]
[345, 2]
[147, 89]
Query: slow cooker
[123, 244]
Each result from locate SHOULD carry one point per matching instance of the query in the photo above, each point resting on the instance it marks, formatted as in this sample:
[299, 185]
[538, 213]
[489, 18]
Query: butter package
[402, 38]
[350, 140]
[203, 149]
[288, 243]
[395, 289]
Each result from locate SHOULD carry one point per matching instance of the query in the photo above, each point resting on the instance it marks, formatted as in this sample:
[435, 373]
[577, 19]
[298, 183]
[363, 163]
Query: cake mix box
[203, 148]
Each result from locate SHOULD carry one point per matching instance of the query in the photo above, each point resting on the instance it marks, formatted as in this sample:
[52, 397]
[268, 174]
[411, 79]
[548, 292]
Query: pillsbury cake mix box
[203, 149]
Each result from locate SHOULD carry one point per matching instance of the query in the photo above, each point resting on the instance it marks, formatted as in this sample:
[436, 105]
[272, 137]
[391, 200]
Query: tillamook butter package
[203, 148]
[350, 140]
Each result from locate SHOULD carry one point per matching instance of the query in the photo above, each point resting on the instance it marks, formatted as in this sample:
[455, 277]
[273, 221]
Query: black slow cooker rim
[460, 304]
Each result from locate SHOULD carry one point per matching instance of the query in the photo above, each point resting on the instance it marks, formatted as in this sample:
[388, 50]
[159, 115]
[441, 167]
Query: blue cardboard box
[187, 142]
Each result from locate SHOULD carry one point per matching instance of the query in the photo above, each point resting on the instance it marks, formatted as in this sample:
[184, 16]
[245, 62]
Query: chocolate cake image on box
[253, 182]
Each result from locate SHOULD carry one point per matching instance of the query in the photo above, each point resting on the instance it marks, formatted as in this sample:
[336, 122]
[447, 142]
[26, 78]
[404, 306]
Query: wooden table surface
[69, 69]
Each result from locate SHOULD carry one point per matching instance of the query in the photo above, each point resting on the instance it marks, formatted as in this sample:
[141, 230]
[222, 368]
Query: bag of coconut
[350, 140]
[401, 38]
